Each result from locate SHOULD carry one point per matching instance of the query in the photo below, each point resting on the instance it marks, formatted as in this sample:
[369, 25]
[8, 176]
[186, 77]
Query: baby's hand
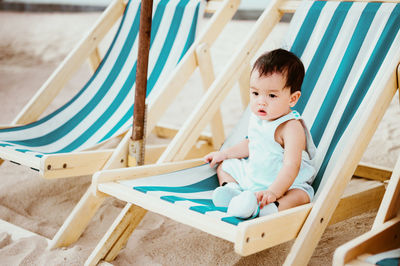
[265, 197]
[214, 158]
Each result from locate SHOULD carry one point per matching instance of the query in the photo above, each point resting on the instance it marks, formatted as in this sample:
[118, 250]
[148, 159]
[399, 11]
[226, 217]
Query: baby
[271, 169]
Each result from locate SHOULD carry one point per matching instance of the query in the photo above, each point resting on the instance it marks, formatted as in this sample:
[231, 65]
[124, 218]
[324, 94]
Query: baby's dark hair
[284, 62]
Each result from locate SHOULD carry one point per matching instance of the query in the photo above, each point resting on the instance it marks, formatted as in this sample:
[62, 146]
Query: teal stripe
[68, 125]
[207, 208]
[321, 55]
[5, 145]
[343, 71]
[129, 83]
[233, 220]
[374, 63]
[151, 83]
[121, 122]
[122, 94]
[22, 150]
[169, 41]
[389, 262]
[48, 117]
[307, 28]
[115, 104]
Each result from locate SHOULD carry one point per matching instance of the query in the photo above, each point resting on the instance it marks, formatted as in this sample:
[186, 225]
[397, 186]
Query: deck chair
[381, 245]
[350, 51]
[63, 143]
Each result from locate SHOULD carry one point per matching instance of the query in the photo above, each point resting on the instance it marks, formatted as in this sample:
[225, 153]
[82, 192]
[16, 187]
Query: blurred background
[249, 9]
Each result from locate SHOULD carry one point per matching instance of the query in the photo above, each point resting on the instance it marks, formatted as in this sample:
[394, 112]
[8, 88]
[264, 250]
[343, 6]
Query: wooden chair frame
[87, 162]
[305, 223]
[384, 234]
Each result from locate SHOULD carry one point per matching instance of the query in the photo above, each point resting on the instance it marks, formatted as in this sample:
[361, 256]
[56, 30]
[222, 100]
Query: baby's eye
[272, 95]
[255, 93]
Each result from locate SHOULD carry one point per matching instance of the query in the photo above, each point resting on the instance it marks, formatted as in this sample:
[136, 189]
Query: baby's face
[269, 98]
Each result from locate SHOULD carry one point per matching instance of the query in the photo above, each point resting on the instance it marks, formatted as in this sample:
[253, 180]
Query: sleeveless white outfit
[259, 170]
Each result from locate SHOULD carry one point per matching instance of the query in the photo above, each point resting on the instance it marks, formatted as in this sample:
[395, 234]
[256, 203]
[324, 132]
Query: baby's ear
[294, 97]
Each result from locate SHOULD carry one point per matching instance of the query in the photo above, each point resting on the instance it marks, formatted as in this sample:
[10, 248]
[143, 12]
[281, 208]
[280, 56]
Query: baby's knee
[299, 195]
[302, 196]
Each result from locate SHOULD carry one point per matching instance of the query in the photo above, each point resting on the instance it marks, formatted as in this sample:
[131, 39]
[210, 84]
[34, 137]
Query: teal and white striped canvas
[103, 108]
[388, 258]
[349, 51]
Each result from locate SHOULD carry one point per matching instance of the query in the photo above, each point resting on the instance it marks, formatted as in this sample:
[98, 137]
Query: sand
[31, 47]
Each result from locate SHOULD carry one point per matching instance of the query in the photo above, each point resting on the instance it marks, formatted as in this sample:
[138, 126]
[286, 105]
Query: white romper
[259, 170]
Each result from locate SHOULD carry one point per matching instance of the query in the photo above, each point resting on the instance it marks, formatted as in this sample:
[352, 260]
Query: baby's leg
[228, 189]
[294, 197]
[224, 176]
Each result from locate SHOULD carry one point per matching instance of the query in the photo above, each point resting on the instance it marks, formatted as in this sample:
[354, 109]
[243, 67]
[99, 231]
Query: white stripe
[176, 51]
[218, 214]
[318, 32]
[295, 24]
[354, 76]
[161, 35]
[332, 64]
[178, 46]
[395, 253]
[107, 100]
[102, 105]
[69, 112]
[194, 195]
[181, 178]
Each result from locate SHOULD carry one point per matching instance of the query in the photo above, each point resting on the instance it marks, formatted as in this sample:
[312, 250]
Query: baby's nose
[262, 102]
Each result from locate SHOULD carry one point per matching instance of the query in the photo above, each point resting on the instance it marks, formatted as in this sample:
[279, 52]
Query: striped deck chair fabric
[388, 258]
[103, 108]
[347, 49]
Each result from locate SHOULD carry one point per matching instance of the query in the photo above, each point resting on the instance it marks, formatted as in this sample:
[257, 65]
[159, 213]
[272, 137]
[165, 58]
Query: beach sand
[31, 47]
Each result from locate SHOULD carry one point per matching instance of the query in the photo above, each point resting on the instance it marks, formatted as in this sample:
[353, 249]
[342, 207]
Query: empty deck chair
[55, 145]
[350, 51]
[381, 245]
[62, 144]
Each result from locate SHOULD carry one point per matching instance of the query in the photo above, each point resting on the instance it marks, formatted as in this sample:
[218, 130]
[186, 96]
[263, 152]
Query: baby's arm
[240, 150]
[293, 138]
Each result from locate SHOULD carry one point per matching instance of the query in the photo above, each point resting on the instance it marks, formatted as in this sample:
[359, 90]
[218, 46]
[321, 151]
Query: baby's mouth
[261, 112]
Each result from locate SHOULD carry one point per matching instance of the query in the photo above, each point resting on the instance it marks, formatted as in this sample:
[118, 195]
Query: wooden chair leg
[244, 86]
[207, 74]
[137, 215]
[117, 235]
[375, 241]
[390, 205]
[78, 220]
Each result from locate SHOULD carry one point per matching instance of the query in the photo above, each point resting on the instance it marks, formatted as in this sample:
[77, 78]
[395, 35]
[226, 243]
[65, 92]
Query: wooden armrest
[8, 126]
[264, 232]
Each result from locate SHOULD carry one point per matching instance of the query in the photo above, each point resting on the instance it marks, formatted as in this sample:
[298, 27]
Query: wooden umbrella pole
[136, 147]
